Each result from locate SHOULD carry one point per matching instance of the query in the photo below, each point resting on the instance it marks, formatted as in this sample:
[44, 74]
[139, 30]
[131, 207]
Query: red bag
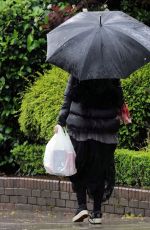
[125, 114]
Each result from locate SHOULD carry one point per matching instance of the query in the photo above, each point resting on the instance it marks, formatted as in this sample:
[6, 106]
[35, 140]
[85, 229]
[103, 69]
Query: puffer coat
[92, 106]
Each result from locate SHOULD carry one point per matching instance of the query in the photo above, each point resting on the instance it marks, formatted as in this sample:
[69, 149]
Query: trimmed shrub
[137, 95]
[132, 167]
[29, 159]
[41, 105]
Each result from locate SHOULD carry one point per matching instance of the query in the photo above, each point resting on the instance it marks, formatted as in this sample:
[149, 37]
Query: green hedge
[41, 105]
[29, 159]
[137, 94]
[132, 167]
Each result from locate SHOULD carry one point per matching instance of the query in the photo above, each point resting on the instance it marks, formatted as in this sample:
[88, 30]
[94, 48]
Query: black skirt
[95, 167]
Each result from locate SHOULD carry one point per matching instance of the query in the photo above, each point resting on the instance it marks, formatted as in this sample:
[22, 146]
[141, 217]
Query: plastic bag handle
[62, 130]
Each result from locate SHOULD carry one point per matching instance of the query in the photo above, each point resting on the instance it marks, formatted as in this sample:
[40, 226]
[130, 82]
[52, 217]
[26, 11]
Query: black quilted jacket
[91, 106]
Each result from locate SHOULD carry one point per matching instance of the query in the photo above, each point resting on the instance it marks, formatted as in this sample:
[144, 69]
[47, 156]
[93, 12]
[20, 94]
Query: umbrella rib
[130, 39]
[57, 51]
[134, 38]
[88, 52]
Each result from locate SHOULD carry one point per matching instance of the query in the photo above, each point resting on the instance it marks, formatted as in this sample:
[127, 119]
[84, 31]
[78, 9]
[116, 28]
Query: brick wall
[43, 194]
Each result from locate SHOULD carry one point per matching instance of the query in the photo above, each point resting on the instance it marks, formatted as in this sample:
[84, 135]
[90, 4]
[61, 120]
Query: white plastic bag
[59, 156]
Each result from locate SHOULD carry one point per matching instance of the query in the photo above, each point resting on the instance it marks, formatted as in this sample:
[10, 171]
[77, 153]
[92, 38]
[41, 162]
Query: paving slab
[44, 220]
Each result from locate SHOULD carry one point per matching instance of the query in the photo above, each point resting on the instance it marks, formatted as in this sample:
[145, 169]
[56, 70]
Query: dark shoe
[80, 215]
[95, 218]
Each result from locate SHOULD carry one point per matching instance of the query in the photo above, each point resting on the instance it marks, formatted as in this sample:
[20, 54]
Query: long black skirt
[95, 168]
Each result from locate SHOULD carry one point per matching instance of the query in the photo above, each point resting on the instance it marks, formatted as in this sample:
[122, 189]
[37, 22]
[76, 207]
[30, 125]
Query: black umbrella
[93, 45]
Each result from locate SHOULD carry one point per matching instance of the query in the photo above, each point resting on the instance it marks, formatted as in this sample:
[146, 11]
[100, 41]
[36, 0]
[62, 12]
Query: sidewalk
[27, 220]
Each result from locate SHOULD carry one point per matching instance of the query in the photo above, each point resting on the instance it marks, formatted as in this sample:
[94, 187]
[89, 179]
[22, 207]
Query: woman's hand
[125, 114]
[56, 129]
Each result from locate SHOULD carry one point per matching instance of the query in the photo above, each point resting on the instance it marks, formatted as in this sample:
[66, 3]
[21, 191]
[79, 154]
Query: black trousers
[95, 171]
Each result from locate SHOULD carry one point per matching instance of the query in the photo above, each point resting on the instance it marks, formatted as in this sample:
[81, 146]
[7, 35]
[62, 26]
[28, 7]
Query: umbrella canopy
[99, 45]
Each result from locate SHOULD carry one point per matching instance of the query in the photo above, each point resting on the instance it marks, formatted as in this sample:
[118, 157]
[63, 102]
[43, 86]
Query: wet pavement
[42, 220]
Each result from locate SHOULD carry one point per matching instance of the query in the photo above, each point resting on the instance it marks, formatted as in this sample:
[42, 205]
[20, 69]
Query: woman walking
[91, 113]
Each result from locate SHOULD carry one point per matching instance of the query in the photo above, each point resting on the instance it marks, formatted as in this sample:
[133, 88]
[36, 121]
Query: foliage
[132, 168]
[41, 105]
[29, 158]
[61, 11]
[139, 9]
[137, 95]
[22, 53]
